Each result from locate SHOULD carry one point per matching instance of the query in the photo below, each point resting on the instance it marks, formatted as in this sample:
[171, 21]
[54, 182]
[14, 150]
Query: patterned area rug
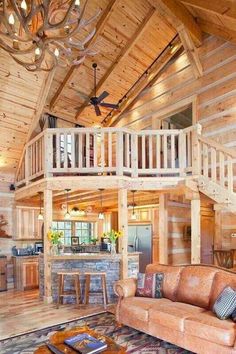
[134, 341]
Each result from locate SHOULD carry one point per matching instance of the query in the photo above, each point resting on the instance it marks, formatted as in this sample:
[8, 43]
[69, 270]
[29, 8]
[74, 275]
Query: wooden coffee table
[59, 337]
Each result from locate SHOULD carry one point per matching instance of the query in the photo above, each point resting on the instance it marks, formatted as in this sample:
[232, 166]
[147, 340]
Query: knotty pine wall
[214, 95]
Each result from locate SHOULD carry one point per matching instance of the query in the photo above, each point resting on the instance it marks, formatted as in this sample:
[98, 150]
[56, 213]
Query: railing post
[182, 153]
[119, 154]
[27, 165]
[196, 152]
[48, 154]
[134, 154]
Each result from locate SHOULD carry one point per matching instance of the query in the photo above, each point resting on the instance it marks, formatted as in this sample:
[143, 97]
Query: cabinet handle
[2, 273]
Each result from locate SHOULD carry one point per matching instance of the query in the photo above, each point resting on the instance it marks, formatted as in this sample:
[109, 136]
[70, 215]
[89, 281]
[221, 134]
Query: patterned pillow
[225, 304]
[150, 285]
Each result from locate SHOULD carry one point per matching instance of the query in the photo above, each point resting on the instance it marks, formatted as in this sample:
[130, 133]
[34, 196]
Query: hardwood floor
[23, 311]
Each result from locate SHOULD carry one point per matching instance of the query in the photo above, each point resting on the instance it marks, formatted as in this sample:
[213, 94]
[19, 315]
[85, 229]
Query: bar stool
[61, 291]
[88, 276]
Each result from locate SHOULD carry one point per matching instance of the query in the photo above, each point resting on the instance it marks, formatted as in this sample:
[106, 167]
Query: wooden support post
[48, 207]
[218, 230]
[134, 154]
[123, 226]
[163, 229]
[195, 231]
[196, 153]
[119, 154]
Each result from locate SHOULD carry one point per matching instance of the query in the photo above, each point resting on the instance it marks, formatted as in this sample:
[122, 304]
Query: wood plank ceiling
[130, 36]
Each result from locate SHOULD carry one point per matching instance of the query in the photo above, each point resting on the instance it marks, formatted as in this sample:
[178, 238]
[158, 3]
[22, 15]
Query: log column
[163, 229]
[48, 207]
[123, 226]
[195, 231]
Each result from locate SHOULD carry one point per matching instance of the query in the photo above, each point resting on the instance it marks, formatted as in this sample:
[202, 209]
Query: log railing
[123, 152]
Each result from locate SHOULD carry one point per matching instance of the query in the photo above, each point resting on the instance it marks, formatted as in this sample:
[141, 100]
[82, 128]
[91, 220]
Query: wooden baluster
[87, 155]
[189, 159]
[48, 153]
[119, 153]
[158, 153]
[58, 150]
[72, 150]
[110, 149]
[65, 152]
[150, 152]
[143, 152]
[182, 153]
[165, 152]
[80, 157]
[205, 160]
[213, 164]
[172, 151]
[134, 154]
[222, 169]
[95, 150]
[102, 150]
[27, 165]
[127, 160]
[230, 174]
[39, 155]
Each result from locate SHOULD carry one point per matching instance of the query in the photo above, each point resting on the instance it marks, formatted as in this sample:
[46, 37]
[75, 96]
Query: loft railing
[109, 151]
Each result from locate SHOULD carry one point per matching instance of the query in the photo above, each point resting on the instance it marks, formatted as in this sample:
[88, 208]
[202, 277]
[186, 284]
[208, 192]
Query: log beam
[48, 207]
[195, 231]
[217, 30]
[123, 226]
[191, 51]
[163, 229]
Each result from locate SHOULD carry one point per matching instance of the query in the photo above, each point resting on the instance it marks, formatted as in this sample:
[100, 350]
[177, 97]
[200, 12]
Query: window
[83, 230]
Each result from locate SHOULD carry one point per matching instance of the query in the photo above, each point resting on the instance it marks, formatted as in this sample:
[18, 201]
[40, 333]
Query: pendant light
[101, 214]
[67, 214]
[133, 216]
[40, 216]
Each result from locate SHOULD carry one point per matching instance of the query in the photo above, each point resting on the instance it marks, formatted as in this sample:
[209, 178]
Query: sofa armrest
[126, 287]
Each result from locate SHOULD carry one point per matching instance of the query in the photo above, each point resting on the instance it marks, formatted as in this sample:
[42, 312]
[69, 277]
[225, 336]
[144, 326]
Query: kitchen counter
[102, 261]
[26, 257]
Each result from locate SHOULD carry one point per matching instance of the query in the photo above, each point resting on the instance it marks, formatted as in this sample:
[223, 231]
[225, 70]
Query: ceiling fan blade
[97, 110]
[109, 105]
[102, 96]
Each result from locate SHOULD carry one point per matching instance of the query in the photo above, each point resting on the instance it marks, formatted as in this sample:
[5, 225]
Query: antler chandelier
[41, 34]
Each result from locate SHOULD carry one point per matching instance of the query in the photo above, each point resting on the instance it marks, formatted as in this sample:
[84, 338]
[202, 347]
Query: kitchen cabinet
[3, 273]
[26, 272]
[28, 227]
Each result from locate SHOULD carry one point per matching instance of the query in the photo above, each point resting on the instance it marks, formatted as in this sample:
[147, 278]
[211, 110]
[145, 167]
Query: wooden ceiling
[132, 43]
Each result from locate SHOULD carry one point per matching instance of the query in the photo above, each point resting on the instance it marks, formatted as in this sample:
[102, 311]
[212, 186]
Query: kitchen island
[102, 261]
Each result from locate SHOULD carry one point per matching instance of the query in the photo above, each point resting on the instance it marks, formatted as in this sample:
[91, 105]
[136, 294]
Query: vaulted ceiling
[132, 42]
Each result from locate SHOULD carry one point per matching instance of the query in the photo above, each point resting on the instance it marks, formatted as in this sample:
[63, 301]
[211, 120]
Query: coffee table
[59, 337]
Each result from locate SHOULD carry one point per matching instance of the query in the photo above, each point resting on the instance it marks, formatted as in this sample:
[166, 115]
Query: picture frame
[187, 233]
[74, 241]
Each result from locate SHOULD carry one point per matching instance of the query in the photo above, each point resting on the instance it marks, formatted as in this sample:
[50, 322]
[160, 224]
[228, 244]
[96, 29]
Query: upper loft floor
[160, 155]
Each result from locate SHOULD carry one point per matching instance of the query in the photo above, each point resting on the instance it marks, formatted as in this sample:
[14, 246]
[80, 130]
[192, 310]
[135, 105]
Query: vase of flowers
[54, 237]
[113, 236]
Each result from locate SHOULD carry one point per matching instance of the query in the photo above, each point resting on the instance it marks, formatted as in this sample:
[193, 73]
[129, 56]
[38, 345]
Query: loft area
[117, 175]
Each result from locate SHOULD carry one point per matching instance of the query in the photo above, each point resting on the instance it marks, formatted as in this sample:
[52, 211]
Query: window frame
[73, 229]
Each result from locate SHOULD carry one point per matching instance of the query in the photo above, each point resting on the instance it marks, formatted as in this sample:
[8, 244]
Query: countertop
[22, 257]
[99, 255]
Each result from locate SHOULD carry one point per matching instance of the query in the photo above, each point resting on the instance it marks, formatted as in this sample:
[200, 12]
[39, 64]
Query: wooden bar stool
[62, 293]
[88, 276]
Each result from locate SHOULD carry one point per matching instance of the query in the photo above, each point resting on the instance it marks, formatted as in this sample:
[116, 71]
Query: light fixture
[77, 212]
[133, 216]
[101, 214]
[40, 216]
[67, 214]
[50, 27]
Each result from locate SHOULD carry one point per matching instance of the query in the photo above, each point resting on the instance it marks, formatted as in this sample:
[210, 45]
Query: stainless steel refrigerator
[140, 240]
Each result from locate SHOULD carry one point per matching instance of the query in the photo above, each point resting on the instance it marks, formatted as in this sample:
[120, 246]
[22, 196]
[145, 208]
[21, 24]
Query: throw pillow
[225, 304]
[150, 285]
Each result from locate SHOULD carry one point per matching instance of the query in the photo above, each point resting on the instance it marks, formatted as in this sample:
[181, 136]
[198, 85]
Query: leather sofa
[184, 315]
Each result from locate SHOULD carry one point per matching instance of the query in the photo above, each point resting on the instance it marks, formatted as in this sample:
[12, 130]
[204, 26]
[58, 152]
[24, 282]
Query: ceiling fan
[95, 101]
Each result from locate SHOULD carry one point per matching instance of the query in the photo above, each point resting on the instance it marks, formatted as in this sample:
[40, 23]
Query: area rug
[134, 341]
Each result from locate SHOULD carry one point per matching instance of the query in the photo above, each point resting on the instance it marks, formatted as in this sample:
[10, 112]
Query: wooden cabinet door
[30, 275]
[28, 225]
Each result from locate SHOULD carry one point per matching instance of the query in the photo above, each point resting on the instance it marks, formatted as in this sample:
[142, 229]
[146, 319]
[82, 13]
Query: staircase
[216, 167]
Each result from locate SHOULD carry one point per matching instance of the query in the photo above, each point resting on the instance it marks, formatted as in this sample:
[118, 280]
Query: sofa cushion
[173, 314]
[221, 280]
[171, 278]
[150, 285]
[138, 306]
[195, 285]
[207, 326]
[225, 303]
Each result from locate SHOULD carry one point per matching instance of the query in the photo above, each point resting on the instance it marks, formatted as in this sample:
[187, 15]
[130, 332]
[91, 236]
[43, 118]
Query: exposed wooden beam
[144, 81]
[219, 31]
[99, 28]
[225, 8]
[41, 102]
[195, 231]
[122, 55]
[191, 51]
[183, 16]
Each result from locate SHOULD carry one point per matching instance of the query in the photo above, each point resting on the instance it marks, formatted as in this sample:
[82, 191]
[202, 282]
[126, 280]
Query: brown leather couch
[184, 315]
